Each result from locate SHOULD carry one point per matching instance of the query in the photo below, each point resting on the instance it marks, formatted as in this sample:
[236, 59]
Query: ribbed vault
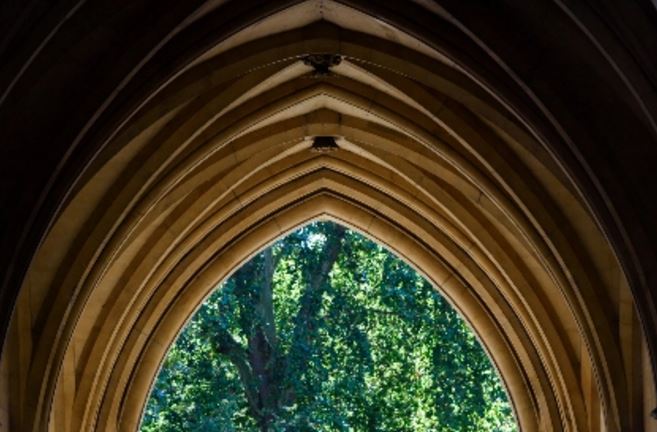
[217, 163]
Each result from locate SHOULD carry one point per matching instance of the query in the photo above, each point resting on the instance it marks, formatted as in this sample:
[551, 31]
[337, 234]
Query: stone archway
[216, 162]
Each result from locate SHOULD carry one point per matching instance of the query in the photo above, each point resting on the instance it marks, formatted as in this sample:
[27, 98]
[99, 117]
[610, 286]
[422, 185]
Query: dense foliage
[327, 331]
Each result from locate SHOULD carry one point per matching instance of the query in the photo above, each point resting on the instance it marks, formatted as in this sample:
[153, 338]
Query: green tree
[327, 331]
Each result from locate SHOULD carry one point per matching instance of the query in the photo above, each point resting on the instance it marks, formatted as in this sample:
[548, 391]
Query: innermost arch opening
[326, 330]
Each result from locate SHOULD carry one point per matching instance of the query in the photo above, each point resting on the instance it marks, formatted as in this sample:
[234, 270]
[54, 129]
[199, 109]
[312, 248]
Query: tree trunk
[260, 365]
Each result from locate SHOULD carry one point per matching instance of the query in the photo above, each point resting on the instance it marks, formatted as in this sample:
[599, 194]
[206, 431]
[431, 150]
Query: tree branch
[330, 253]
[226, 345]
[266, 298]
[311, 297]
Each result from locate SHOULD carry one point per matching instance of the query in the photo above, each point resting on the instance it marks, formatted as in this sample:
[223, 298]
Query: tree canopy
[327, 331]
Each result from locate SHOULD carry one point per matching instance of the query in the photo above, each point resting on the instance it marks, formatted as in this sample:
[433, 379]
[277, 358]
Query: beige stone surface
[218, 164]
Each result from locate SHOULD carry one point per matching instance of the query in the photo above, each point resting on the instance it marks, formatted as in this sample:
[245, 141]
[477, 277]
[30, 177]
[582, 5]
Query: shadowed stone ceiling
[504, 151]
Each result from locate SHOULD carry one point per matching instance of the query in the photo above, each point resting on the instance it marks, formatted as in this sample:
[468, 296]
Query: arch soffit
[458, 175]
[312, 189]
[193, 210]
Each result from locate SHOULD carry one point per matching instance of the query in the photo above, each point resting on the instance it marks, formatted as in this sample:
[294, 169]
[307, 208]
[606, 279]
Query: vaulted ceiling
[505, 150]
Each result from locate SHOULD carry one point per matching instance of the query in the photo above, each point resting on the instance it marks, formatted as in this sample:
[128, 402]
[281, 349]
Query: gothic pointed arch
[453, 149]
